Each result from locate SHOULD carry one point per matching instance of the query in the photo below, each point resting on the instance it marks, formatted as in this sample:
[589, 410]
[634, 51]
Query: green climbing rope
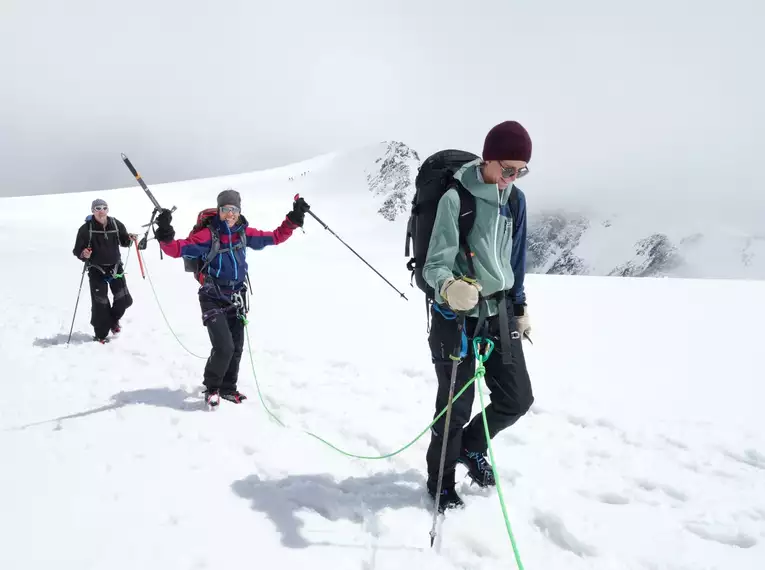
[481, 358]
[479, 373]
[154, 292]
[124, 265]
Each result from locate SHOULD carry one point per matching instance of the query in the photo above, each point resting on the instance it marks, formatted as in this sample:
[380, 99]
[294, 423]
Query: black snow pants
[509, 384]
[226, 332]
[103, 314]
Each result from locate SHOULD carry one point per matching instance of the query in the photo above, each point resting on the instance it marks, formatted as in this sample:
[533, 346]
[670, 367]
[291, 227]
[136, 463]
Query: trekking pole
[127, 259]
[326, 227]
[445, 432]
[82, 278]
[138, 253]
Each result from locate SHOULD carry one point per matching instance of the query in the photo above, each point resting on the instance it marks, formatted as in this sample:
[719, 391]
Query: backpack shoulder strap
[242, 238]
[465, 222]
[214, 246]
[514, 205]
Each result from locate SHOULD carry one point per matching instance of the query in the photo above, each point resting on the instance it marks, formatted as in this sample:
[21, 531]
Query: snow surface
[645, 448]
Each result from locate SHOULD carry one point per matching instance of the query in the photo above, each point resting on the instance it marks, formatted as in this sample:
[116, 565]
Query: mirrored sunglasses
[227, 209]
[101, 209]
[510, 171]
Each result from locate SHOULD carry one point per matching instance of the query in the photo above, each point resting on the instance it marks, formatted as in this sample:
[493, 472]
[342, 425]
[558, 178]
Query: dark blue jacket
[518, 252]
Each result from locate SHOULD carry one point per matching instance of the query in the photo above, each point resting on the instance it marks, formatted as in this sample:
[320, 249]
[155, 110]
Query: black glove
[164, 231]
[297, 214]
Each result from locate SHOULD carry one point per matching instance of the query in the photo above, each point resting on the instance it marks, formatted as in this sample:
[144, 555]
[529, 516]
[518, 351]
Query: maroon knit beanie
[507, 141]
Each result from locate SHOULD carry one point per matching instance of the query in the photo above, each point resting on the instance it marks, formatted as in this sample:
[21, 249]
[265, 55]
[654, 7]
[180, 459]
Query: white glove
[461, 295]
[523, 323]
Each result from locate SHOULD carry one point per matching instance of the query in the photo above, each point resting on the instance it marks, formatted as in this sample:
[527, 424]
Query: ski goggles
[227, 209]
[510, 171]
[101, 209]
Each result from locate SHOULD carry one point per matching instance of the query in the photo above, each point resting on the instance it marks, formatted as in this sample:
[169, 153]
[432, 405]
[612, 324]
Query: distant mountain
[392, 179]
[568, 243]
[636, 246]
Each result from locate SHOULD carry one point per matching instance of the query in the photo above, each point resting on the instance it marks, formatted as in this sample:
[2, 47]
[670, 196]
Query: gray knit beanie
[230, 197]
[98, 202]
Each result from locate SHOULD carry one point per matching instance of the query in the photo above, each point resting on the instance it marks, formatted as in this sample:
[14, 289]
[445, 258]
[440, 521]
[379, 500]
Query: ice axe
[157, 207]
[326, 227]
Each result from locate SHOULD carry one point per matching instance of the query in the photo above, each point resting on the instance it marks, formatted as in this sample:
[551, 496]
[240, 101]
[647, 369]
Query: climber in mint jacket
[498, 255]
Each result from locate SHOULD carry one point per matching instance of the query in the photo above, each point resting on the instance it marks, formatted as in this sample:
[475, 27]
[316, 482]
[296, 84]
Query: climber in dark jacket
[98, 246]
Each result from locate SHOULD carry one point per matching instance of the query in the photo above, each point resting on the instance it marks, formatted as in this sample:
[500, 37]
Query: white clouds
[661, 96]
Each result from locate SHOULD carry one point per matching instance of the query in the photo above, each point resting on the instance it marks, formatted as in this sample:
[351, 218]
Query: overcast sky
[658, 97]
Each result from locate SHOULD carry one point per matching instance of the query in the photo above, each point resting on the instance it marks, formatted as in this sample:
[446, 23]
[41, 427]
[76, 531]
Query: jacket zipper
[496, 242]
[231, 253]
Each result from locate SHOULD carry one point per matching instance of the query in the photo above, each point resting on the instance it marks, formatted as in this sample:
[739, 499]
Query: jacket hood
[468, 176]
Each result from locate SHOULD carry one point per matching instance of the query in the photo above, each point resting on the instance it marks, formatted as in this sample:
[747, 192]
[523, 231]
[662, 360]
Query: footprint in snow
[599, 453]
[608, 497]
[578, 421]
[750, 457]
[608, 424]
[613, 499]
[553, 528]
[668, 490]
[675, 443]
[723, 536]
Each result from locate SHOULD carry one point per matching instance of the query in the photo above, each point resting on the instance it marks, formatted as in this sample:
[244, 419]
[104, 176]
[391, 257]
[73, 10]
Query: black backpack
[435, 177]
[204, 220]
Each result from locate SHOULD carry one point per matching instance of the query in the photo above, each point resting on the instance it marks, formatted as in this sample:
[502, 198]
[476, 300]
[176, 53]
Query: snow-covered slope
[645, 447]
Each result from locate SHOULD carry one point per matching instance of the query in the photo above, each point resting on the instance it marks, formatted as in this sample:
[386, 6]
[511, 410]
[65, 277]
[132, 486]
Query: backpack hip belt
[505, 335]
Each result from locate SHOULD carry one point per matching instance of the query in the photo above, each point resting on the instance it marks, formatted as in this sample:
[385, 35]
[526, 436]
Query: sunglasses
[510, 171]
[227, 209]
[101, 209]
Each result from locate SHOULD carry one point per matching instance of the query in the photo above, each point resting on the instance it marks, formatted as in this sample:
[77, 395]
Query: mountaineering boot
[449, 499]
[233, 396]
[101, 340]
[116, 328]
[478, 468]
[212, 398]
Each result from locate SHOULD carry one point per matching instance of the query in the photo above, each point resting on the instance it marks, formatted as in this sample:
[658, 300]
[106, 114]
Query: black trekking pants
[509, 385]
[226, 332]
[103, 314]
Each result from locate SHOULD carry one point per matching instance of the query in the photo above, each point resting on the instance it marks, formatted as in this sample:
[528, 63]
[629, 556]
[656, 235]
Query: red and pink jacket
[230, 265]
